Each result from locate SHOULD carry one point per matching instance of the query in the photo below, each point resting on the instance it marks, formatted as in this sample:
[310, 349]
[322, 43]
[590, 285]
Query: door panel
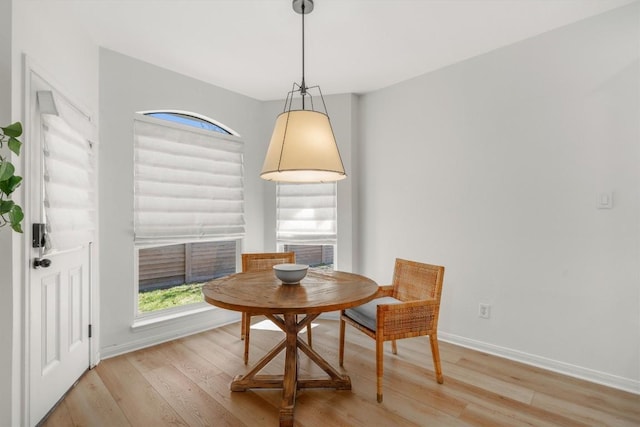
[76, 323]
[50, 297]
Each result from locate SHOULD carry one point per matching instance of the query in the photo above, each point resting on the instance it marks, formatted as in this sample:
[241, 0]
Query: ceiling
[352, 46]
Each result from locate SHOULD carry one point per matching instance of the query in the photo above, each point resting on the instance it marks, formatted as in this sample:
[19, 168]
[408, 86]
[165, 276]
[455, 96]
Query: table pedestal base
[289, 382]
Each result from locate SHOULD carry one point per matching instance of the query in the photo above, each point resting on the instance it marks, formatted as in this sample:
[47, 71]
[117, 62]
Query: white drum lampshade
[303, 149]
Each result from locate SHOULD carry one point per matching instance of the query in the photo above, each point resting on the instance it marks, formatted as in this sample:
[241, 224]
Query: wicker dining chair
[261, 262]
[407, 308]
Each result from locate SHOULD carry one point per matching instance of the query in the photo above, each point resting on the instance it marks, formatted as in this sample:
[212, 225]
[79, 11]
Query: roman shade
[68, 173]
[307, 213]
[188, 183]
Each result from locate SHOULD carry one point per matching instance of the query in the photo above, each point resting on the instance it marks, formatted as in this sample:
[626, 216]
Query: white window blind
[188, 183]
[307, 213]
[69, 174]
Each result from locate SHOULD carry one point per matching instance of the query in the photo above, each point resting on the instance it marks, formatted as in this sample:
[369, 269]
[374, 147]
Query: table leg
[290, 380]
[252, 380]
[336, 379]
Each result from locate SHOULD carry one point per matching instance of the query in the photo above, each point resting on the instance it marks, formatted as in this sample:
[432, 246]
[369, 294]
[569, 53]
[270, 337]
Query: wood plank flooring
[186, 383]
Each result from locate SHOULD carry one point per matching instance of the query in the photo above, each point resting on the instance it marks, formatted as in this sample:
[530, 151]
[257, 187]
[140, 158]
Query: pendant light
[303, 147]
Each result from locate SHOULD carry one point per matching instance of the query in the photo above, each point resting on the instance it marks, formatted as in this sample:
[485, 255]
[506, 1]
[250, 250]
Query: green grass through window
[175, 296]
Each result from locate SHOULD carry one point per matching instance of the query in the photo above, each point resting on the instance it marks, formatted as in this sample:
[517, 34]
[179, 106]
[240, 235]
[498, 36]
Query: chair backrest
[417, 281]
[265, 261]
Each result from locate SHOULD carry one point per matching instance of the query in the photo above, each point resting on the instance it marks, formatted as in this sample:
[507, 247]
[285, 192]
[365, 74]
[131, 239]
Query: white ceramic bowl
[290, 273]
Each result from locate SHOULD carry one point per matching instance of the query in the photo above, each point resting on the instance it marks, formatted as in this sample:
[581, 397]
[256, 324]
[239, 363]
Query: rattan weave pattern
[266, 261]
[261, 262]
[419, 286]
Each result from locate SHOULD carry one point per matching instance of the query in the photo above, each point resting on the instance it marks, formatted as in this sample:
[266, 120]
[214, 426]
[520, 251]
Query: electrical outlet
[484, 311]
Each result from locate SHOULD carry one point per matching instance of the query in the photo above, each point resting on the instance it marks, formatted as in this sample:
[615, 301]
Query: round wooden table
[291, 308]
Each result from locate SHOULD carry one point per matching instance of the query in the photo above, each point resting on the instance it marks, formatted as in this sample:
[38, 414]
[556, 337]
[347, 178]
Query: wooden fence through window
[312, 255]
[168, 266]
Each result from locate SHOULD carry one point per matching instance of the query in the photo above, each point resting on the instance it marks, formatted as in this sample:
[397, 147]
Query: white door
[58, 295]
[59, 342]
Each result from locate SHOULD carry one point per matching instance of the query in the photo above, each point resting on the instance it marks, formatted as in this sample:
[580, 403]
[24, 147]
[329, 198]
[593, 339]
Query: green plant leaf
[15, 218]
[6, 206]
[8, 186]
[14, 145]
[13, 130]
[8, 180]
[6, 170]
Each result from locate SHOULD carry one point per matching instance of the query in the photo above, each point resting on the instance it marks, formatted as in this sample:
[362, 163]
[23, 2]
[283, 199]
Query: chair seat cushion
[365, 314]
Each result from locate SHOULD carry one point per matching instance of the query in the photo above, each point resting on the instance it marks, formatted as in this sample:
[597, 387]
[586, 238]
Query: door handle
[41, 263]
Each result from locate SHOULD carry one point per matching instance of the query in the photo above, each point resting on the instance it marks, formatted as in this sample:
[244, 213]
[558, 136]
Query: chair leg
[309, 335]
[379, 368]
[435, 352]
[242, 325]
[394, 348]
[247, 332]
[341, 349]
[308, 328]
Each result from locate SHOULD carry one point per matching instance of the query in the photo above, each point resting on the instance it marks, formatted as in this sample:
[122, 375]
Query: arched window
[190, 119]
[188, 204]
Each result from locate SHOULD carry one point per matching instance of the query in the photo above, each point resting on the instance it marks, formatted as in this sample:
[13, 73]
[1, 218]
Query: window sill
[151, 320]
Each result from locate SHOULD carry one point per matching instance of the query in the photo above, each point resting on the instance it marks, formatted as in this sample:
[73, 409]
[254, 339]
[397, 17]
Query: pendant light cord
[303, 89]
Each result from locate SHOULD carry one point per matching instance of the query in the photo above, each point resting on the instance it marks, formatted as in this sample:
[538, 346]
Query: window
[307, 222]
[189, 120]
[188, 206]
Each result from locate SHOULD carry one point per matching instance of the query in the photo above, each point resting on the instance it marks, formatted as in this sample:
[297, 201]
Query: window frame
[152, 317]
[197, 116]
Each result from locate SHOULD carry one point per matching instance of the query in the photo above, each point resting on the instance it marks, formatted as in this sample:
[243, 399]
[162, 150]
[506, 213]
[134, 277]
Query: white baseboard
[224, 317]
[591, 375]
[215, 319]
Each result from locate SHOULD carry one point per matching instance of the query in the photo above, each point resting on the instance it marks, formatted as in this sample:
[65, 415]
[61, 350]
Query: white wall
[126, 86]
[6, 280]
[342, 111]
[491, 168]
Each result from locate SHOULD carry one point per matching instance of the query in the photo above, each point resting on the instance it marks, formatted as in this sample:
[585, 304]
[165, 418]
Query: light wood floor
[186, 382]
